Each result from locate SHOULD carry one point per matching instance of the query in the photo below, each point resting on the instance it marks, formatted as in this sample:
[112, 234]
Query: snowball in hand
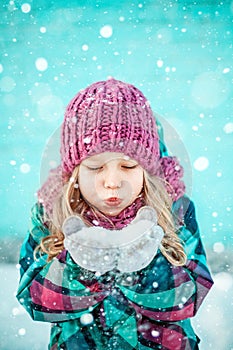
[98, 249]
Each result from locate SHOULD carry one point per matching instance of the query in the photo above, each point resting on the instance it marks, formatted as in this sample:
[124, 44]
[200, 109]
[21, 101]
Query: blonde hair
[157, 197]
[70, 202]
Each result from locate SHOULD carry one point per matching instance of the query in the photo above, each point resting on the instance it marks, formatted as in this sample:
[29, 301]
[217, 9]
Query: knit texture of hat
[109, 116]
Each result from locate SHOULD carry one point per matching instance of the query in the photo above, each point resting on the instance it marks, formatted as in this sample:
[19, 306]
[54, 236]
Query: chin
[112, 212]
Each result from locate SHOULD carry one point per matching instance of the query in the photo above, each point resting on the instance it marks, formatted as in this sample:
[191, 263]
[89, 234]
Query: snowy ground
[214, 323]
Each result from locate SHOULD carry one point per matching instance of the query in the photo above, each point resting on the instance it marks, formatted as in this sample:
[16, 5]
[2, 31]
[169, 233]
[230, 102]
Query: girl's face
[110, 181]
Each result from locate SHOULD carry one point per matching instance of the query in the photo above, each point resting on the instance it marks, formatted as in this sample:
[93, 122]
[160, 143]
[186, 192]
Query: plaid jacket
[149, 309]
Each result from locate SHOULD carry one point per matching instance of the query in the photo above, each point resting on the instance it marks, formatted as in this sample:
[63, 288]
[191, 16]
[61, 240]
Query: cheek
[89, 184]
[137, 182]
[85, 182]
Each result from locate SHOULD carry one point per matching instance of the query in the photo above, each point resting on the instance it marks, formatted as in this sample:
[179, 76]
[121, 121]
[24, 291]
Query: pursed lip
[113, 201]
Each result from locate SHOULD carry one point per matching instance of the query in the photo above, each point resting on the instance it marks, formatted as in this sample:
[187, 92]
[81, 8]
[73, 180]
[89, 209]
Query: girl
[114, 286]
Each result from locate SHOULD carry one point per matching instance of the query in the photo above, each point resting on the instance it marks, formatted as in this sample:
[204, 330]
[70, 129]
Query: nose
[112, 178]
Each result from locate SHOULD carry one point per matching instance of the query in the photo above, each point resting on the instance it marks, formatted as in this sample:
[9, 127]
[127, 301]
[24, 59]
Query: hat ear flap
[172, 172]
[50, 190]
[169, 168]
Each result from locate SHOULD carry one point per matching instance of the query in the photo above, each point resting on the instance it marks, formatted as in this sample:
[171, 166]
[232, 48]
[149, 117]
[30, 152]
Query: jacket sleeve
[53, 291]
[168, 293]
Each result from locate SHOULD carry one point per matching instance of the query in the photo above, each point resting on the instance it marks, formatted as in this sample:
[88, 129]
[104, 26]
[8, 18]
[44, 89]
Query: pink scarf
[115, 222]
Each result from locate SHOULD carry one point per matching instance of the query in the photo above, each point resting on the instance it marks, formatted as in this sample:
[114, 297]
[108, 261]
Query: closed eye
[130, 166]
[94, 169]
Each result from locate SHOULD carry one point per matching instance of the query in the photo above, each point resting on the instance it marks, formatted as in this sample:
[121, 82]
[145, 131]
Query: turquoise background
[179, 53]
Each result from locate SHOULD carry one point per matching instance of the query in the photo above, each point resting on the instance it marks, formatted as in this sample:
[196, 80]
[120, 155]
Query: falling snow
[86, 319]
[201, 163]
[43, 29]
[155, 333]
[26, 8]
[106, 31]
[228, 128]
[87, 140]
[22, 331]
[41, 64]
[218, 247]
[160, 63]
[85, 47]
[25, 168]
[181, 57]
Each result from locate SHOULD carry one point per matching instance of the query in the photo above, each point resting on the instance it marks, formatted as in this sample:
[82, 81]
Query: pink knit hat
[111, 116]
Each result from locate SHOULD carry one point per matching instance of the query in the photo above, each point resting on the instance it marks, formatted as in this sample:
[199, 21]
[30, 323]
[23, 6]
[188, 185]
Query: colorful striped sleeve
[52, 291]
[168, 293]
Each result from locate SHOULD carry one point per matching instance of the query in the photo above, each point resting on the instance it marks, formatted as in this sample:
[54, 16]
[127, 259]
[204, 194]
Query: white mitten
[102, 250]
[138, 252]
[89, 246]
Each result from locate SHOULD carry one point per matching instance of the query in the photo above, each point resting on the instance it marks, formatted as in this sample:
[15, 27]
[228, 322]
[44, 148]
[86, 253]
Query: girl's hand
[127, 250]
